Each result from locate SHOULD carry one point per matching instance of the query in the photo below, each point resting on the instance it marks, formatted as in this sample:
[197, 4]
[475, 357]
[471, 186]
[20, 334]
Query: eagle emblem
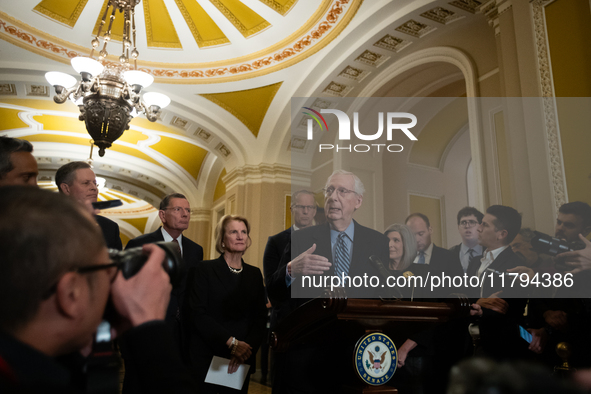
[378, 360]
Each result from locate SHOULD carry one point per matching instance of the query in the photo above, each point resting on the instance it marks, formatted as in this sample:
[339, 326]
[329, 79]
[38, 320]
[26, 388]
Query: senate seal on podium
[375, 358]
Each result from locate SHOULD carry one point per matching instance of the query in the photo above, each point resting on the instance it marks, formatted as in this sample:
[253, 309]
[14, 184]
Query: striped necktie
[342, 259]
[176, 241]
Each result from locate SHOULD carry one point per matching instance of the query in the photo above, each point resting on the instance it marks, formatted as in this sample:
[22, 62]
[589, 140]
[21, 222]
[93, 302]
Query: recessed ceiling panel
[204, 29]
[281, 6]
[243, 18]
[62, 11]
[160, 30]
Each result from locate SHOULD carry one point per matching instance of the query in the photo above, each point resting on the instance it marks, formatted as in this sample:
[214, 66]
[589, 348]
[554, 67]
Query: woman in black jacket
[225, 306]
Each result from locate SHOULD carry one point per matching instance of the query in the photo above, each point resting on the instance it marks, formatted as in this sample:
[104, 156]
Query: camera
[132, 260]
[543, 243]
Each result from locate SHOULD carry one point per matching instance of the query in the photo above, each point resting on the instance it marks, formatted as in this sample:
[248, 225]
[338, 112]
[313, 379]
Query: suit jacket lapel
[321, 238]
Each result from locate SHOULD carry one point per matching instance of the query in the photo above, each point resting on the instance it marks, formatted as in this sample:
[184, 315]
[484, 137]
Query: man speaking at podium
[340, 247]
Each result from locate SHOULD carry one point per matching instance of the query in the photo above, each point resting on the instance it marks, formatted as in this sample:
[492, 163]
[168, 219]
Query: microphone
[408, 274]
[376, 262]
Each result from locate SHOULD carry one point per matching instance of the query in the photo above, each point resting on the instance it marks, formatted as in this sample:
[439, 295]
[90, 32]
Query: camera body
[544, 243]
[132, 260]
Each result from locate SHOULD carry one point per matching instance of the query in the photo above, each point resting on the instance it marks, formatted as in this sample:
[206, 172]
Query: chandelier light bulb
[87, 65]
[156, 99]
[135, 77]
[56, 78]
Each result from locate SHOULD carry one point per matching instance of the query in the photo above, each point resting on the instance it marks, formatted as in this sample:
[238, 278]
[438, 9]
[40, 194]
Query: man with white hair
[340, 247]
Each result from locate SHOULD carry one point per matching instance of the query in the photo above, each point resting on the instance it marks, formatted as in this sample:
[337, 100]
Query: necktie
[421, 258]
[178, 247]
[471, 252]
[342, 260]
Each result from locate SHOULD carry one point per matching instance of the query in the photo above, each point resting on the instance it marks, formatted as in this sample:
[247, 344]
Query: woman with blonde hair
[402, 246]
[225, 306]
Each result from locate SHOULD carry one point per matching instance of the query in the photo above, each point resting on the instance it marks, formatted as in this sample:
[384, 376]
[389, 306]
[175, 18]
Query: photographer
[55, 280]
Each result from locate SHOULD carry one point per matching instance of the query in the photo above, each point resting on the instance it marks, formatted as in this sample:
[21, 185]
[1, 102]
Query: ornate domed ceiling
[231, 68]
[185, 41]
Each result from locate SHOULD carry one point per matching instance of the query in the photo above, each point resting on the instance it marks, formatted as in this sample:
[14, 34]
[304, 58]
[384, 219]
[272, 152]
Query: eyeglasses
[98, 267]
[468, 223]
[87, 269]
[341, 191]
[180, 209]
[304, 207]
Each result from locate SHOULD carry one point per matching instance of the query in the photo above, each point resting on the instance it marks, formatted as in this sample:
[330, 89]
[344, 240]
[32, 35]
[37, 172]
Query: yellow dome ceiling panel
[62, 123]
[160, 30]
[84, 140]
[43, 105]
[139, 223]
[117, 28]
[186, 155]
[243, 18]
[220, 186]
[10, 119]
[204, 29]
[281, 6]
[133, 137]
[62, 11]
[249, 106]
[146, 124]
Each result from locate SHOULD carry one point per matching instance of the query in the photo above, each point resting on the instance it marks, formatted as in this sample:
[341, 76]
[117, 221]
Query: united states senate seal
[375, 358]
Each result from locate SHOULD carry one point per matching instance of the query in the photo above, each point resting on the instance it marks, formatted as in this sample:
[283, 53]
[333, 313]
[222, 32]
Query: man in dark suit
[469, 219]
[77, 180]
[303, 209]
[430, 257]
[175, 213]
[340, 247]
[500, 309]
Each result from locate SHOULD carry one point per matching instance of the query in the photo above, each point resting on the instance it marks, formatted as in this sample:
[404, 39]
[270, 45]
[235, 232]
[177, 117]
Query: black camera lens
[132, 260]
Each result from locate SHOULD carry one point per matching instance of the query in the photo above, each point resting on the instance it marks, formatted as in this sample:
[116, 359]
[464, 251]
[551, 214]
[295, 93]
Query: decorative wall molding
[560, 195]
[250, 174]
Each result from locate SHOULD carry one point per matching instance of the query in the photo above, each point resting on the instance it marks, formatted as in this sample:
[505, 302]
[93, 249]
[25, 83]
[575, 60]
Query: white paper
[218, 373]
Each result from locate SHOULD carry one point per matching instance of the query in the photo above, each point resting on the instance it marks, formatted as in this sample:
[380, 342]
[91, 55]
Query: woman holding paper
[225, 311]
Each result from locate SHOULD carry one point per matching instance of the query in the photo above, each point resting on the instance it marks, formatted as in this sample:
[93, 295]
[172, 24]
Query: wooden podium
[320, 319]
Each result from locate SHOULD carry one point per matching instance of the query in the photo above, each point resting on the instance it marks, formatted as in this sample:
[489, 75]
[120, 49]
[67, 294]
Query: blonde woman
[225, 306]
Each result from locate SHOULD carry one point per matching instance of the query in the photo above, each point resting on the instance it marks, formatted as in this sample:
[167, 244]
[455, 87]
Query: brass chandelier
[108, 94]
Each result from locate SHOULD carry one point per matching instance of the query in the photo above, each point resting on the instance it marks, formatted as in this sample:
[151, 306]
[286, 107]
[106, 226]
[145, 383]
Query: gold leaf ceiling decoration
[295, 41]
[249, 106]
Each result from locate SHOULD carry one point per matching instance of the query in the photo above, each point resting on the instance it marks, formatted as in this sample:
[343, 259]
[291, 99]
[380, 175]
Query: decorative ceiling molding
[326, 24]
[51, 10]
[441, 15]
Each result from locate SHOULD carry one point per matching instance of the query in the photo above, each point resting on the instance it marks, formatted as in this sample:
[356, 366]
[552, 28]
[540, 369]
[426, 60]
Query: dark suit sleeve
[256, 331]
[197, 298]
[274, 267]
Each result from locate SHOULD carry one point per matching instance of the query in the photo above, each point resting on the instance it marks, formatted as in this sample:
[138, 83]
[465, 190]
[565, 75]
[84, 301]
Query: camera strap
[103, 364]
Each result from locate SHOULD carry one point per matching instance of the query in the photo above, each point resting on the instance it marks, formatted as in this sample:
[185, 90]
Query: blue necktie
[421, 258]
[342, 260]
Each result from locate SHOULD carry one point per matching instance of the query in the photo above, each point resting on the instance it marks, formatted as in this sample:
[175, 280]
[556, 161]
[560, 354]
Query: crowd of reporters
[57, 279]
